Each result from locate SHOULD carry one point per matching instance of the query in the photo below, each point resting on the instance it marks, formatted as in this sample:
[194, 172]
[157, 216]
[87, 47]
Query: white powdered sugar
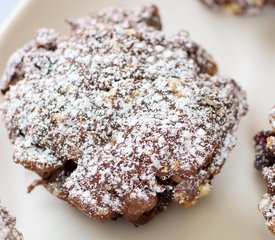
[8, 230]
[267, 207]
[131, 107]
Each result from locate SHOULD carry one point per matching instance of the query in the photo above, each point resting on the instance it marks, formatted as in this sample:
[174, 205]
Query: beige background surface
[244, 49]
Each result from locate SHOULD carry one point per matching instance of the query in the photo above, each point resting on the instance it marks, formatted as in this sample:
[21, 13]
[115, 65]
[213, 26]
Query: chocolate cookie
[240, 7]
[8, 230]
[265, 162]
[118, 118]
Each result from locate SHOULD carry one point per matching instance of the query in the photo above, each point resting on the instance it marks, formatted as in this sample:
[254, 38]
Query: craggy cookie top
[265, 161]
[249, 7]
[118, 113]
[8, 230]
[266, 206]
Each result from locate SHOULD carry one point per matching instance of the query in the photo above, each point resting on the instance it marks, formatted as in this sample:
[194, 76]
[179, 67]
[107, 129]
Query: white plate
[244, 49]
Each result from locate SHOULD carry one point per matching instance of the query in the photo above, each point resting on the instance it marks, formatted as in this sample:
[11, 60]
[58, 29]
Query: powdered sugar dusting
[130, 105]
[246, 7]
[7, 226]
[269, 175]
[266, 206]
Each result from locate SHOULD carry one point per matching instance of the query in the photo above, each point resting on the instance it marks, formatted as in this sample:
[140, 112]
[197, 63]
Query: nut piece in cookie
[119, 119]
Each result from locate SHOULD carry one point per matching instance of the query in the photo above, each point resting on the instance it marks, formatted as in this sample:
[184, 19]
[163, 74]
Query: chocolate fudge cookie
[8, 230]
[240, 7]
[265, 162]
[118, 118]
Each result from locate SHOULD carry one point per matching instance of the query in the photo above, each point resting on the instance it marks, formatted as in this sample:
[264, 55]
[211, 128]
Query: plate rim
[12, 17]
